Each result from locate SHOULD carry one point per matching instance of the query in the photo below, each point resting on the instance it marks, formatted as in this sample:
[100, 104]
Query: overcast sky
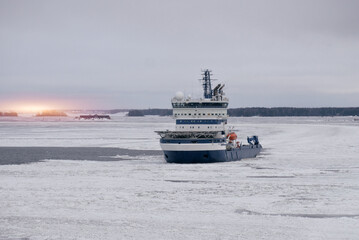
[137, 54]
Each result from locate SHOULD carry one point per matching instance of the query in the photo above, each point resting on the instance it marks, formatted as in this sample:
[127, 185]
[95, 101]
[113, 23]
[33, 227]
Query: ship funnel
[220, 90]
[215, 90]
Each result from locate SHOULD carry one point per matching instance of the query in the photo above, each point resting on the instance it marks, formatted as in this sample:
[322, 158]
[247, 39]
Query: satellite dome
[179, 96]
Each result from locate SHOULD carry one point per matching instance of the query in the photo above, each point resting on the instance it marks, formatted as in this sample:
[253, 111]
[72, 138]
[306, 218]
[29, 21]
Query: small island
[51, 113]
[8, 114]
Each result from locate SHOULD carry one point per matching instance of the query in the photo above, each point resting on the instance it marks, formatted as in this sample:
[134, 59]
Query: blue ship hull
[247, 151]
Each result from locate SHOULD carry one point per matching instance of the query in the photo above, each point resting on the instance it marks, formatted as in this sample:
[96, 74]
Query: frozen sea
[114, 183]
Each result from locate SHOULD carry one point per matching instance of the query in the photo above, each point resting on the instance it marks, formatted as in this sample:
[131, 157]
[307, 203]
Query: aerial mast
[207, 87]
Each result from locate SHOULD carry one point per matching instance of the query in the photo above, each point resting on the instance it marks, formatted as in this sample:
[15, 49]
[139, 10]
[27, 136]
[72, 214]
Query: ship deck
[190, 134]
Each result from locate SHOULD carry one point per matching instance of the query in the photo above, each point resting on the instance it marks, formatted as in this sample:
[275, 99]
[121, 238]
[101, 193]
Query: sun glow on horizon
[34, 107]
[40, 104]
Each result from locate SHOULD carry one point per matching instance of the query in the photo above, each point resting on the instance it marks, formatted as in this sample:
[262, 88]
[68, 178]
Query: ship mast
[207, 88]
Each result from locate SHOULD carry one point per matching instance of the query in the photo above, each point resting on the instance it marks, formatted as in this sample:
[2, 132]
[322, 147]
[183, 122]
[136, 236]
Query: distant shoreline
[265, 112]
[232, 112]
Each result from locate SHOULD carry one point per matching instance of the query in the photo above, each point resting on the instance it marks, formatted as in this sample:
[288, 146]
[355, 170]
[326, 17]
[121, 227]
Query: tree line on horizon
[265, 112]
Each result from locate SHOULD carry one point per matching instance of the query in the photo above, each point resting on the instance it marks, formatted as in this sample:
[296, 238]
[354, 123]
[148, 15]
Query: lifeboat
[232, 136]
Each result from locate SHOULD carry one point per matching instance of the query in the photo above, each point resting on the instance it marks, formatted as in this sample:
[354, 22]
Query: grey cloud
[118, 50]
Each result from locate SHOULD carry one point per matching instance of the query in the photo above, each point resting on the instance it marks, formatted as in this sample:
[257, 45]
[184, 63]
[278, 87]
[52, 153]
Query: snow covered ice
[304, 185]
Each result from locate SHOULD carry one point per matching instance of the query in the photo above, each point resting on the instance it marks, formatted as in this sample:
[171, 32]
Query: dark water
[21, 155]
[303, 215]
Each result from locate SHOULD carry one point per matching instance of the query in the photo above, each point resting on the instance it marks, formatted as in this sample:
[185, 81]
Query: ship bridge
[205, 114]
